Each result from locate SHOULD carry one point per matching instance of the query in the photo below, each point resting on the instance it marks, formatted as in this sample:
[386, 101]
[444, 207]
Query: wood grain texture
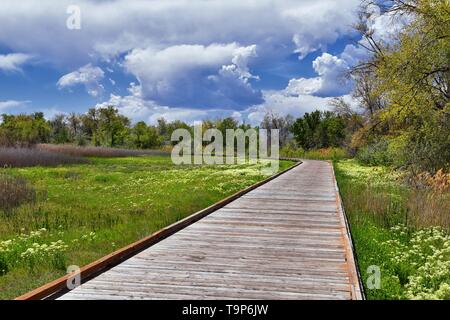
[287, 239]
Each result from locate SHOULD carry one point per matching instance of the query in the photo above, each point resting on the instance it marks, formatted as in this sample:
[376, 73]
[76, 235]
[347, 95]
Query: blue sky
[177, 59]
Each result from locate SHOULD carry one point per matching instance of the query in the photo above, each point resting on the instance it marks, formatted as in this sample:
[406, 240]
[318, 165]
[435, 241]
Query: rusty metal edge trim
[359, 291]
[105, 263]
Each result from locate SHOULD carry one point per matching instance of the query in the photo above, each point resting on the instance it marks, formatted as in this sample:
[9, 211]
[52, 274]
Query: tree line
[107, 127]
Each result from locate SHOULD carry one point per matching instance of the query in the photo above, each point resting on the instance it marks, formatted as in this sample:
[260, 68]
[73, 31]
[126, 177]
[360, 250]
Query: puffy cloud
[386, 26]
[214, 76]
[283, 104]
[139, 109]
[89, 76]
[187, 55]
[330, 82]
[11, 105]
[13, 61]
[112, 27]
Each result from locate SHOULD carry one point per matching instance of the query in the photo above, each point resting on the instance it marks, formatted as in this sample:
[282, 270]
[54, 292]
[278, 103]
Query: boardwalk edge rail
[357, 285]
[59, 286]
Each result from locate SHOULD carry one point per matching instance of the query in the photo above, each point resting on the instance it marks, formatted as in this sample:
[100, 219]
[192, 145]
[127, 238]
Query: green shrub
[376, 154]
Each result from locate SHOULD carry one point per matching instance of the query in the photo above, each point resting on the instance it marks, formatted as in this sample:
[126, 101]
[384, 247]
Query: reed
[100, 152]
[30, 157]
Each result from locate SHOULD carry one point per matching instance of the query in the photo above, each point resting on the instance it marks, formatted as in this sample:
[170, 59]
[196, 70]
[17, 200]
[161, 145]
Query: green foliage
[60, 131]
[319, 130]
[24, 130]
[144, 137]
[404, 86]
[375, 154]
[112, 127]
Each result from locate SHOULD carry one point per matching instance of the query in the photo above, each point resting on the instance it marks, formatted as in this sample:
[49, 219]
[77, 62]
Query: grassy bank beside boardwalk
[398, 230]
[77, 213]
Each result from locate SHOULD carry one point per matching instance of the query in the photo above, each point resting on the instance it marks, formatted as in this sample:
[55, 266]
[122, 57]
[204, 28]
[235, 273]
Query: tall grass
[14, 191]
[100, 152]
[385, 197]
[29, 157]
[401, 229]
[317, 154]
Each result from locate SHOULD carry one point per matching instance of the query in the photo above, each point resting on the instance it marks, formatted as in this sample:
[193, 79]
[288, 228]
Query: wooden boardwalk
[286, 239]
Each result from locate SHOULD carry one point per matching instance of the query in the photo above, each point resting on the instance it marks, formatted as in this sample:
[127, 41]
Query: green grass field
[401, 231]
[86, 211]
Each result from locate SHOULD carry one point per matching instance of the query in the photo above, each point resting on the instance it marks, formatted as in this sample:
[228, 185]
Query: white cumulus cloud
[11, 105]
[214, 76]
[13, 61]
[331, 81]
[113, 27]
[89, 76]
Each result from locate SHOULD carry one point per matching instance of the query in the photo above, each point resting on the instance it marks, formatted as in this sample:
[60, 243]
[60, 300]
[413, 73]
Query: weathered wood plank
[283, 240]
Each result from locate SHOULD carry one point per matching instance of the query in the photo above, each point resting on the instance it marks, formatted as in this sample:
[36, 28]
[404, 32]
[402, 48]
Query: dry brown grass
[429, 208]
[30, 157]
[423, 202]
[101, 152]
[416, 208]
[15, 191]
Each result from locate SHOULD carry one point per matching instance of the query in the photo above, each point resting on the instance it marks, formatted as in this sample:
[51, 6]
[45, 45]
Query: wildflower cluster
[29, 249]
[425, 256]
[42, 251]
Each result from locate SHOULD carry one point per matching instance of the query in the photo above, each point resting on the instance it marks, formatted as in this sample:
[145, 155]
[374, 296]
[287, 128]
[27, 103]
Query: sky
[179, 59]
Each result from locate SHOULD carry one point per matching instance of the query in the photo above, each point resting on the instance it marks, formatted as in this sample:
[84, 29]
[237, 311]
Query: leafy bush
[24, 130]
[375, 154]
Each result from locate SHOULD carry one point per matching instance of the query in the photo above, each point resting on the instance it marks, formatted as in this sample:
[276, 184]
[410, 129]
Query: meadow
[73, 214]
[401, 229]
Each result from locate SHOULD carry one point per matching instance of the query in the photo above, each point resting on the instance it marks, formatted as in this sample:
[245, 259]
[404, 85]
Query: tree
[405, 85]
[353, 120]
[90, 125]
[112, 127]
[60, 130]
[163, 128]
[24, 130]
[144, 137]
[304, 130]
[74, 124]
[319, 130]
[283, 124]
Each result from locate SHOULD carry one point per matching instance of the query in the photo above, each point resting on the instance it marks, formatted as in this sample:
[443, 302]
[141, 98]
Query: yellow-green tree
[410, 79]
